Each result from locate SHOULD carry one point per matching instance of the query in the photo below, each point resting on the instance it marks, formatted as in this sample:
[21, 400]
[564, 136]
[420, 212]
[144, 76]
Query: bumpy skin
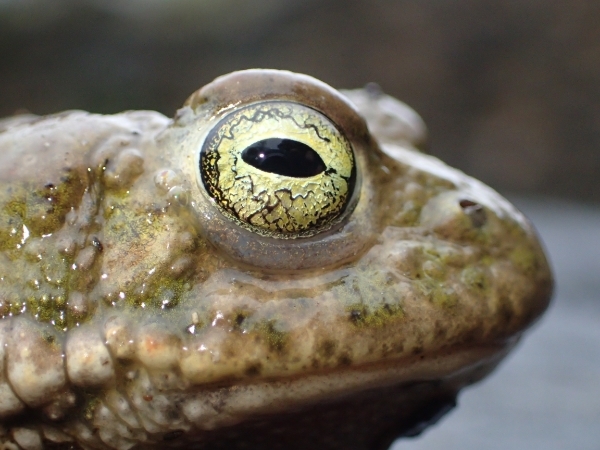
[136, 315]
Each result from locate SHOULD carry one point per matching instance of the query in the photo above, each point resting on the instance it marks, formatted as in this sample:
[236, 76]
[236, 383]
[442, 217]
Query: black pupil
[284, 157]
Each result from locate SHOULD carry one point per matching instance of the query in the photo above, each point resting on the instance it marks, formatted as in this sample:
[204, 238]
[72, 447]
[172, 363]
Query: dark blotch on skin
[327, 349]
[355, 315]
[284, 157]
[253, 370]
[345, 360]
[97, 244]
[239, 319]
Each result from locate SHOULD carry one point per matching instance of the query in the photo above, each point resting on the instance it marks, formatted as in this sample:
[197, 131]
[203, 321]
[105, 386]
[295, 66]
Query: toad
[278, 266]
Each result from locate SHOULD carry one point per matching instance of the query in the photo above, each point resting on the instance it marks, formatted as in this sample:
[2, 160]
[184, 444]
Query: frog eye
[279, 169]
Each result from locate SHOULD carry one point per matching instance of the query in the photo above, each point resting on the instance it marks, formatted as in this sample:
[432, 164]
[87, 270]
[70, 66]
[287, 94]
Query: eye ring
[279, 169]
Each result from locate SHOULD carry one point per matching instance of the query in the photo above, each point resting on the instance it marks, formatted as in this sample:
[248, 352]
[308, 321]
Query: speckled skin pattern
[135, 315]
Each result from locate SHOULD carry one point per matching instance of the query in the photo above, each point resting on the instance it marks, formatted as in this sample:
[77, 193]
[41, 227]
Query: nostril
[475, 211]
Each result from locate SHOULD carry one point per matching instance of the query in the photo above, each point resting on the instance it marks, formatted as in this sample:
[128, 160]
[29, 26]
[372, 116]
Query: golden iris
[279, 169]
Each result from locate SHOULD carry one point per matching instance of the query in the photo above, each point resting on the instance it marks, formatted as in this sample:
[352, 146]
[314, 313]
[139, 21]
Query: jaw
[360, 408]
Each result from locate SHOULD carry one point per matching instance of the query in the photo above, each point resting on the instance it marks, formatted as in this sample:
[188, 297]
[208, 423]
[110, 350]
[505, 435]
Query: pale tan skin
[134, 311]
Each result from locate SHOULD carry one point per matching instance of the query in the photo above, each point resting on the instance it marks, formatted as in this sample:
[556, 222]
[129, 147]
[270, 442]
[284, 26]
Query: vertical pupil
[284, 157]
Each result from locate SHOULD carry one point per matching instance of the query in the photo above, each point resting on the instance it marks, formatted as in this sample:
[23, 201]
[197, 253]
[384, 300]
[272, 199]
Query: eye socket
[279, 169]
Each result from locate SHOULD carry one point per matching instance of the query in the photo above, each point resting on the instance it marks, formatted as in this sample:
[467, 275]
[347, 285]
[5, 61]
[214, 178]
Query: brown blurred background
[510, 89]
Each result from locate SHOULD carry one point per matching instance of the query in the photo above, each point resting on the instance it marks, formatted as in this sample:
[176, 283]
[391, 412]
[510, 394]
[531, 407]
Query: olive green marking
[129, 224]
[159, 292]
[276, 339]
[475, 278]
[438, 293]
[41, 209]
[362, 315]
[525, 259]
[91, 403]
[45, 295]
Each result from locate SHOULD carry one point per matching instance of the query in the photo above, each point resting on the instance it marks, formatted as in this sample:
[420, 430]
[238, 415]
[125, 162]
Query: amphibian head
[262, 271]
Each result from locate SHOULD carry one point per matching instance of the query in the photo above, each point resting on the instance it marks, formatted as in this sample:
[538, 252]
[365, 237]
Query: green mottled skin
[94, 232]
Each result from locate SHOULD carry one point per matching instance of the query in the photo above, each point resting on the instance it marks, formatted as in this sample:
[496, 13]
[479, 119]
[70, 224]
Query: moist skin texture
[135, 314]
